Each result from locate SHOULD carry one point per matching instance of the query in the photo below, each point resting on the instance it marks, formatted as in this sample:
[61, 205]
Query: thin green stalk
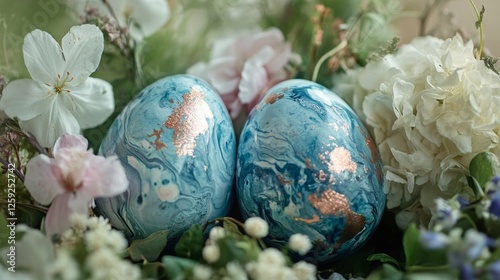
[480, 22]
[327, 55]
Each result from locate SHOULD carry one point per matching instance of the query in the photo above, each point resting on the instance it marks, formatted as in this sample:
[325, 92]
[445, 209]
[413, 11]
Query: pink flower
[71, 180]
[242, 68]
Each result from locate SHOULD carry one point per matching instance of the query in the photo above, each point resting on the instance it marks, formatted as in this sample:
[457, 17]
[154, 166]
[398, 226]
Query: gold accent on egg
[314, 219]
[189, 120]
[272, 98]
[333, 203]
[340, 160]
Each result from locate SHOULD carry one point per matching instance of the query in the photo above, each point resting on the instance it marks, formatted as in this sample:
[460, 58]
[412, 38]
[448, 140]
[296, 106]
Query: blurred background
[462, 14]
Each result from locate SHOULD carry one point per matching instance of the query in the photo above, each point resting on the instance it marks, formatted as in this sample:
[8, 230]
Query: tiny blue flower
[493, 270]
[467, 272]
[433, 240]
[474, 243]
[463, 202]
[495, 203]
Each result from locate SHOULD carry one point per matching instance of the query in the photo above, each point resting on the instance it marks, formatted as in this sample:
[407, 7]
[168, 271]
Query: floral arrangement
[431, 106]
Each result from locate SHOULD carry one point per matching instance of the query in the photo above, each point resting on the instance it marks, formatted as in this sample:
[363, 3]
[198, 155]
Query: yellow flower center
[60, 84]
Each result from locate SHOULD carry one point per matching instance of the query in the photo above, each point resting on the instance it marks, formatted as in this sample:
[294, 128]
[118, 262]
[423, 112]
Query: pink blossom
[242, 68]
[71, 180]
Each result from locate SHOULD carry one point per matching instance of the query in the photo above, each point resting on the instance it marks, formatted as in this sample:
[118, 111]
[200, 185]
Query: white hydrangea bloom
[300, 243]
[431, 107]
[256, 227]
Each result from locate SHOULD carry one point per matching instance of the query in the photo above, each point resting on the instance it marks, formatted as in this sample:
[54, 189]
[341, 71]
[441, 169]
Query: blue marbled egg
[178, 147]
[306, 164]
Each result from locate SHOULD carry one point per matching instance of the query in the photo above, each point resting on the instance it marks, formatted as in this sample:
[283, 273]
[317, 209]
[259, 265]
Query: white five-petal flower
[60, 97]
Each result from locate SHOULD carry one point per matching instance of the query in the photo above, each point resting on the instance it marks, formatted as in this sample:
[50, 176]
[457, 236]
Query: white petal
[43, 56]
[104, 177]
[68, 141]
[57, 219]
[149, 16]
[26, 99]
[51, 125]
[43, 179]
[82, 47]
[92, 103]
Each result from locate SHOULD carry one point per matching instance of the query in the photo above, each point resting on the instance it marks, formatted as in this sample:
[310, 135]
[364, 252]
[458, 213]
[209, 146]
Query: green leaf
[232, 228]
[483, 167]
[190, 244]
[231, 250]
[152, 270]
[383, 258]
[391, 273]
[177, 268]
[4, 233]
[149, 248]
[416, 254]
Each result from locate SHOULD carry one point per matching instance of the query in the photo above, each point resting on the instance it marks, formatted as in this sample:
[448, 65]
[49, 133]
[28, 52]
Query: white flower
[211, 253]
[202, 272]
[300, 243]
[95, 222]
[64, 266]
[61, 98]
[105, 264]
[272, 256]
[445, 214]
[256, 227]
[142, 17]
[304, 270]
[235, 271]
[78, 222]
[102, 238]
[33, 253]
[217, 233]
[431, 107]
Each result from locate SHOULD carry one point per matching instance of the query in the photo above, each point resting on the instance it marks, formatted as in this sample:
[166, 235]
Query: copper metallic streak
[308, 163]
[373, 150]
[272, 98]
[333, 203]
[188, 121]
[158, 143]
[283, 181]
[314, 219]
[341, 160]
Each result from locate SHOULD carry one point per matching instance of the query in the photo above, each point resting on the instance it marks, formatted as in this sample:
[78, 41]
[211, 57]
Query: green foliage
[150, 248]
[177, 268]
[482, 168]
[416, 254]
[190, 244]
[384, 258]
[490, 62]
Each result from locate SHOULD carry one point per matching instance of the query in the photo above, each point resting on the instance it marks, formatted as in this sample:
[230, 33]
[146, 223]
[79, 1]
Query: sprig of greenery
[479, 25]
[490, 62]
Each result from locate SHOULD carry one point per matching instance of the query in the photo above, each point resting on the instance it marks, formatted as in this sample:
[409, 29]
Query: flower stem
[327, 55]
[480, 23]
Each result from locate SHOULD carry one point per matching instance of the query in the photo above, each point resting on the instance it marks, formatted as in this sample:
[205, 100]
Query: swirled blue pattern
[306, 164]
[177, 144]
